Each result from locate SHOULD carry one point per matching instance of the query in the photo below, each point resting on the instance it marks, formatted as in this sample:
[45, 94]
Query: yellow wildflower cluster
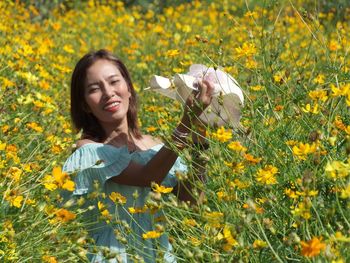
[302, 210]
[35, 126]
[267, 174]
[14, 198]
[338, 169]
[226, 235]
[236, 146]
[63, 216]
[302, 150]
[276, 56]
[161, 189]
[151, 235]
[341, 91]
[214, 219]
[312, 247]
[58, 180]
[318, 94]
[117, 198]
[222, 134]
[104, 212]
[311, 109]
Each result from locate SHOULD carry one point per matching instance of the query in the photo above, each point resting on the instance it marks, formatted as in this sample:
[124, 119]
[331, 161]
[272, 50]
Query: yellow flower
[251, 63]
[337, 169]
[68, 185]
[342, 90]
[257, 88]
[246, 50]
[117, 198]
[134, 210]
[333, 45]
[319, 79]
[195, 241]
[49, 259]
[2, 146]
[258, 244]
[224, 196]
[308, 108]
[15, 173]
[49, 183]
[227, 236]
[250, 158]
[58, 179]
[214, 218]
[312, 247]
[278, 108]
[290, 193]
[318, 95]
[35, 127]
[302, 210]
[68, 49]
[172, 53]
[236, 146]
[189, 222]
[278, 77]
[338, 236]
[151, 129]
[339, 123]
[345, 193]
[17, 201]
[104, 211]
[239, 184]
[303, 149]
[267, 175]
[222, 135]
[64, 215]
[161, 189]
[151, 234]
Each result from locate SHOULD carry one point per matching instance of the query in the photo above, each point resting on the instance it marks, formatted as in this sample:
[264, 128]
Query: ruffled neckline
[108, 145]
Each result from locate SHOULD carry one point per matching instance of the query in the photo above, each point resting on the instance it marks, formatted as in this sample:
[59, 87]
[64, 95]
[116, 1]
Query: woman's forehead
[102, 68]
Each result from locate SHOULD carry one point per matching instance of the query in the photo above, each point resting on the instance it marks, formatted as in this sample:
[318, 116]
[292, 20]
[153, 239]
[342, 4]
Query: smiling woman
[106, 94]
[116, 160]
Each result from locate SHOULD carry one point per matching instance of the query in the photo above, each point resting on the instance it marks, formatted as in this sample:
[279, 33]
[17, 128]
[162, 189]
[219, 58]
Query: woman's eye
[93, 89]
[113, 82]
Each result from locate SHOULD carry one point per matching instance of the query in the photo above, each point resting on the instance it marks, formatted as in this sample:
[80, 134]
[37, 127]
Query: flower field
[278, 186]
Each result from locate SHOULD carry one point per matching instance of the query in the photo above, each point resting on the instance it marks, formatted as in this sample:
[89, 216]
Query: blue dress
[95, 164]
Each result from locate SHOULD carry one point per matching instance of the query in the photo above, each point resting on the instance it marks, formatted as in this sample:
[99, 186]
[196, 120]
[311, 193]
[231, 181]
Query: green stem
[269, 244]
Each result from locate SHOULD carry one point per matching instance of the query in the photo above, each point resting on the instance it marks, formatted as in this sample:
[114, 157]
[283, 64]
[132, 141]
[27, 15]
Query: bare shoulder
[82, 142]
[150, 141]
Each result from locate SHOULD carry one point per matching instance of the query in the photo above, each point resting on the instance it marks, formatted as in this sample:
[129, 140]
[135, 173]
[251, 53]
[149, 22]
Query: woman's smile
[112, 106]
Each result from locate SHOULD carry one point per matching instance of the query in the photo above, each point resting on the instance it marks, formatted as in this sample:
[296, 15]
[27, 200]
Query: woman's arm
[158, 167]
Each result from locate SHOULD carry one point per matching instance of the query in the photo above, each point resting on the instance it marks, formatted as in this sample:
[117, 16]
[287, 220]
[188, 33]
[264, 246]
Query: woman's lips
[112, 107]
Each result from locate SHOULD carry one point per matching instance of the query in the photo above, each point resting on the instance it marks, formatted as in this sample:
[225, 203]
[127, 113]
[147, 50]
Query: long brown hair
[86, 121]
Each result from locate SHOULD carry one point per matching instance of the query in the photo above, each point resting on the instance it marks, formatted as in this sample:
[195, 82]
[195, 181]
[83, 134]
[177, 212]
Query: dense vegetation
[278, 187]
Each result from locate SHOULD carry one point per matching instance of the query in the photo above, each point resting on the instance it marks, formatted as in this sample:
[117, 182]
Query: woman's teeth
[109, 106]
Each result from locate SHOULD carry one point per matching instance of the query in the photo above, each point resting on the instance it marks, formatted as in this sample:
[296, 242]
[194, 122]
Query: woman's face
[106, 92]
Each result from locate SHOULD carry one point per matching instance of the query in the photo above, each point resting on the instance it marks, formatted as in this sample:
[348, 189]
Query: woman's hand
[199, 100]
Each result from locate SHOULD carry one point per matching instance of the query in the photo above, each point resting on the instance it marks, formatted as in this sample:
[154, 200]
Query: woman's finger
[202, 90]
[210, 87]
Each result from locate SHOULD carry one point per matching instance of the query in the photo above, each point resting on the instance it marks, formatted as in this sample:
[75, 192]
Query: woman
[116, 164]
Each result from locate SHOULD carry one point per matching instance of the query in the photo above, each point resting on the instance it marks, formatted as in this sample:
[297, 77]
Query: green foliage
[278, 186]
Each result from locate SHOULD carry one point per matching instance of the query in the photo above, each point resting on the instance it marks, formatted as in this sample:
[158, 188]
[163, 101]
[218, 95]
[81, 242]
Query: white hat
[227, 100]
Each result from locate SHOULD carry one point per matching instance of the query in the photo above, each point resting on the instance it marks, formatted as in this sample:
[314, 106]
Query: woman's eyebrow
[114, 75]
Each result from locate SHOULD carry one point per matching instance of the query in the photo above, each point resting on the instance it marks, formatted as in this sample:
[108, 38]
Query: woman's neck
[116, 130]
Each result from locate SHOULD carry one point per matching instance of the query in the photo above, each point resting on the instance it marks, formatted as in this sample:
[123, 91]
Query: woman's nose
[108, 90]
